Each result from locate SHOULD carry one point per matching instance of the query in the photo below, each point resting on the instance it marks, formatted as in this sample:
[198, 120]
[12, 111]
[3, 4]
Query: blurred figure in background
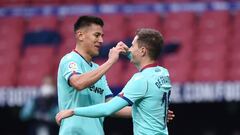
[40, 111]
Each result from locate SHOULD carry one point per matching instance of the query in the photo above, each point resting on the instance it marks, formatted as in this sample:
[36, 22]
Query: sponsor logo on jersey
[96, 89]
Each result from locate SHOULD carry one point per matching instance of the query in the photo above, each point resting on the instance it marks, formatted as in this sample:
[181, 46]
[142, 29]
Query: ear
[79, 35]
[143, 51]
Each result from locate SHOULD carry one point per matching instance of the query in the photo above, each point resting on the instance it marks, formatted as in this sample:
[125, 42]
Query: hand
[63, 114]
[115, 51]
[170, 115]
[122, 46]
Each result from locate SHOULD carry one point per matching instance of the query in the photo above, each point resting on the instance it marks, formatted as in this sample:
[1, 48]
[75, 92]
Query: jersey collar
[149, 66]
[89, 63]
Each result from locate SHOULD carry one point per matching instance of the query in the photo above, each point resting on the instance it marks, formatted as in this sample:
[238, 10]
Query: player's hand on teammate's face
[122, 46]
[63, 114]
[170, 115]
[115, 51]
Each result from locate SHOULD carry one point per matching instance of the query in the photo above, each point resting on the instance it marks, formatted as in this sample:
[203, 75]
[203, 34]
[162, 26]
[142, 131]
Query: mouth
[97, 46]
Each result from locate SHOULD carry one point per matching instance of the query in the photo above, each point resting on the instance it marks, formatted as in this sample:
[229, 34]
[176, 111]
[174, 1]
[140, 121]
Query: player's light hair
[152, 40]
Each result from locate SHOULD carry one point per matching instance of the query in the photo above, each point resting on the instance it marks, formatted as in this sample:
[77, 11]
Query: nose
[100, 39]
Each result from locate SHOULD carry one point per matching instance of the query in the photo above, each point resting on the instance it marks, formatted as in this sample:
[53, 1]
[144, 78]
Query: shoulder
[164, 71]
[138, 77]
[70, 58]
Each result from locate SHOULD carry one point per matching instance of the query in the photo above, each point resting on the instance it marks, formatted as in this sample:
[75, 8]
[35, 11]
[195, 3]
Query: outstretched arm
[99, 110]
[80, 82]
[125, 112]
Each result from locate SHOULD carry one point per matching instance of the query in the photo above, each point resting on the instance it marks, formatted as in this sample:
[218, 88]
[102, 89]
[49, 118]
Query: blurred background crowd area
[32, 45]
[204, 67]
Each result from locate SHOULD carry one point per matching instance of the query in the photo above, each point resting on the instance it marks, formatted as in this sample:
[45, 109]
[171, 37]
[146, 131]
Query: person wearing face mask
[40, 111]
[81, 82]
[148, 91]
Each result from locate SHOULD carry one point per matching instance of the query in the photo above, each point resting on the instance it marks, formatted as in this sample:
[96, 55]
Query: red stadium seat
[112, 1]
[236, 21]
[179, 66]
[36, 63]
[180, 27]
[115, 74]
[31, 77]
[212, 70]
[8, 76]
[176, 1]
[11, 28]
[213, 21]
[39, 23]
[8, 65]
[145, 1]
[181, 74]
[14, 2]
[45, 2]
[128, 71]
[143, 20]
[71, 2]
[233, 73]
[113, 28]
[66, 27]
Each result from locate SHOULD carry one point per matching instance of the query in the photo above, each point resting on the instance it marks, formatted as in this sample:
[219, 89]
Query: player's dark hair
[152, 40]
[85, 21]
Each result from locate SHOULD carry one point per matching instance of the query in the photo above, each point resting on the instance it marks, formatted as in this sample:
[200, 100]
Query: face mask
[47, 90]
[129, 55]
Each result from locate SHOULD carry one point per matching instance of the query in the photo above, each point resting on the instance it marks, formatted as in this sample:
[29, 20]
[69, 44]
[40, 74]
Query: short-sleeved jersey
[69, 97]
[148, 92]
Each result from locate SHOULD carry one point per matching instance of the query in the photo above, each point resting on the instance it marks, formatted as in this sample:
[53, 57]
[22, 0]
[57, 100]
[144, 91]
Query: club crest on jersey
[72, 66]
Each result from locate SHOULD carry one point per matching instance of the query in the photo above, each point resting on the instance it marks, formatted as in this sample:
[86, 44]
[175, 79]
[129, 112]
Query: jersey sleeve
[135, 89]
[70, 67]
[107, 91]
[101, 110]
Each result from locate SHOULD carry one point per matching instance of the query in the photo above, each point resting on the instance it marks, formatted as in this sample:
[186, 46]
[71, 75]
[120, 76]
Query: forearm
[85, 80]
[125, 112]
[101, 110]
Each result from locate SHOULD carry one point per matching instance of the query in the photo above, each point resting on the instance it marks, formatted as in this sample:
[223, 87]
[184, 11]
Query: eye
[97, 35]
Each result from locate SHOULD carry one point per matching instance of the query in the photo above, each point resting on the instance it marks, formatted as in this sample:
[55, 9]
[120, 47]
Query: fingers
[170, 115]
[58, 118]
[122, 47]
[63, 114]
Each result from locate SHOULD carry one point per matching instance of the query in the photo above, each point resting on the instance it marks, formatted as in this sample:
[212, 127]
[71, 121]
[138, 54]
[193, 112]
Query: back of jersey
[150, 111]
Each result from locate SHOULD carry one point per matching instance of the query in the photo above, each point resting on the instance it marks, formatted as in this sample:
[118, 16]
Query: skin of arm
[80, 82]
[115, 105]
[125, 112]
[94, 111]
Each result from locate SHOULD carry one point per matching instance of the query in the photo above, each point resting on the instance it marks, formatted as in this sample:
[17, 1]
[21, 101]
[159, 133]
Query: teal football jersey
[148, 92]
[69, 97]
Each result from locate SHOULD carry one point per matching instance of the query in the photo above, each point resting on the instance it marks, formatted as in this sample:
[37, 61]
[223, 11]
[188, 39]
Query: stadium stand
[112, 1]
[198, 34]
[115, 74]
[113, 28]
[39, 23]
[45, 2]
[72, 2]
[35, 64]
[8, 3]
[141, 20]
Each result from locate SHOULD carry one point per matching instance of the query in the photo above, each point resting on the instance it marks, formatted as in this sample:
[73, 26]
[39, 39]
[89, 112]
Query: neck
[85, 55]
